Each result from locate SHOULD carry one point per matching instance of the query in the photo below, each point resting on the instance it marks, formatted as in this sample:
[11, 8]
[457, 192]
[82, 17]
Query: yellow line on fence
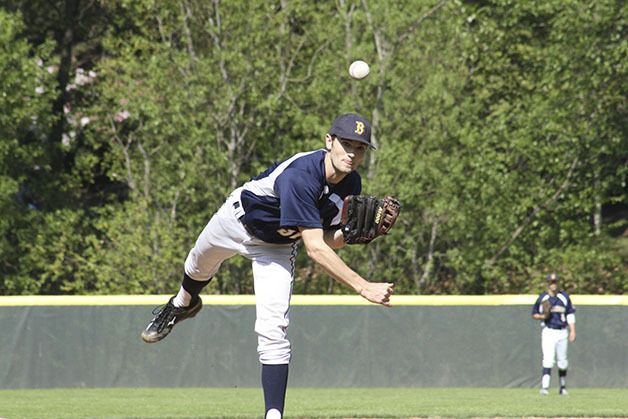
[306, 300]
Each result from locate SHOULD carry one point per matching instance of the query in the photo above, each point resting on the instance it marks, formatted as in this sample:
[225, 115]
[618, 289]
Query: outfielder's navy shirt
[561, 306]
[294, 193]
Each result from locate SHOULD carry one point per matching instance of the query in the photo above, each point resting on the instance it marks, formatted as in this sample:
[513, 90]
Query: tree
[26, 88]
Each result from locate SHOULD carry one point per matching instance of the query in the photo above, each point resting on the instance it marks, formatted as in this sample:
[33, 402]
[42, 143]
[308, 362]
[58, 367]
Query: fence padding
[332, 346]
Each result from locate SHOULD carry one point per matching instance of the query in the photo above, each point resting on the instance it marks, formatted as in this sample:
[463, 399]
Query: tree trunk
[597, 208]
[65, 38]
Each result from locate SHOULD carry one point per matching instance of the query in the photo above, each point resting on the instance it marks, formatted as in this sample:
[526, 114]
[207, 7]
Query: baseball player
[298, 199]
[557, 314]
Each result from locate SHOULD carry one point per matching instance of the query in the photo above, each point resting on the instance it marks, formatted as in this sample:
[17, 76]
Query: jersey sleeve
[535, 307]
[298, 193]
[570, 309]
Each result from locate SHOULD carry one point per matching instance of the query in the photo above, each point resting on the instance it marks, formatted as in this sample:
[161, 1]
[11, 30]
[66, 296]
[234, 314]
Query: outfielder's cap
[352, 127]
[553, 277]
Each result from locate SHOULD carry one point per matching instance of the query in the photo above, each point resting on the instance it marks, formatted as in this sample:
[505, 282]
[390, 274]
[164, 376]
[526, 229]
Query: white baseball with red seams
[359, 69]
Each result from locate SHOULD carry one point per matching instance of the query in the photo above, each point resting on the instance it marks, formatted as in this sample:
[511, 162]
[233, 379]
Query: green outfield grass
[310, 403]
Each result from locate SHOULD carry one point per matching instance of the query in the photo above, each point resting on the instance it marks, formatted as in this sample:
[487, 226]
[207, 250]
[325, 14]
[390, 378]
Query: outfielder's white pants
[554, 346]
[273, 272]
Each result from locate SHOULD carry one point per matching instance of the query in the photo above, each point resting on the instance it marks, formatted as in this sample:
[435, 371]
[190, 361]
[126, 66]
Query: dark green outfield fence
[336, 341]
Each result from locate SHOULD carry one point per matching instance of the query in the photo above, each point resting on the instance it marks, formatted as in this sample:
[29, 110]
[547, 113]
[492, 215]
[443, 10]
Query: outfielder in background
[557, 315]
[311, 197]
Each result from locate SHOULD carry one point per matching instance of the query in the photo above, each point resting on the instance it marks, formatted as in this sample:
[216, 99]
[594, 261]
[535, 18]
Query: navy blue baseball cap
[553, 277]
[352, 127]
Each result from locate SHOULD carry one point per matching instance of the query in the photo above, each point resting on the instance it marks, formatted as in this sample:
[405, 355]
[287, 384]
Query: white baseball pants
[554, 346]
[273, 273]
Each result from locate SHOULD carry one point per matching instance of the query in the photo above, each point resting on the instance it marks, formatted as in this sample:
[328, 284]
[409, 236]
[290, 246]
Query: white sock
[273, 414]
[545, 381]
[182, 299]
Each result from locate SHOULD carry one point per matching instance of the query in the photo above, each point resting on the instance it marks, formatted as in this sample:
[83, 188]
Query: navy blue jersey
[561, 306]
[292, 194]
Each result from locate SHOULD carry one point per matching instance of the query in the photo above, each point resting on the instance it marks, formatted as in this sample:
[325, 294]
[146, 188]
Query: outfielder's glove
[547, 309]
[367, 217]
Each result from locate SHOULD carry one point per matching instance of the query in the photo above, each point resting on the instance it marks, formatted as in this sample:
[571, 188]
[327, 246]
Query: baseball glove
[367, 217]
[547, 309]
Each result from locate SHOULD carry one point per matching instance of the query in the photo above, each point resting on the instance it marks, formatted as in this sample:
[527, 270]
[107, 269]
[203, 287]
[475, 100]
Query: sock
[545, 379]
[562, 378]
[182, 299]
[189, 291]
[274, 383]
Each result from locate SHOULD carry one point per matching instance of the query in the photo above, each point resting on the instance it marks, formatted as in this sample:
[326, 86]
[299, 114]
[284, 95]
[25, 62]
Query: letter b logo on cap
[359, 127]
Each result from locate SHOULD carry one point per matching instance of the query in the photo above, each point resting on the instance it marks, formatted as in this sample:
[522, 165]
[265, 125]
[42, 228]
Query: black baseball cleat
[166, 317]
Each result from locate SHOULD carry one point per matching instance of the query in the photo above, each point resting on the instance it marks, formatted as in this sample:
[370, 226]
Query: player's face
[346, 155]
[553, 286]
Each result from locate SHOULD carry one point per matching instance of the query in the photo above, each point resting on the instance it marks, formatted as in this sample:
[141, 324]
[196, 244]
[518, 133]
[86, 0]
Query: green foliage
[499, 124]
[50, 254]
[25, 90]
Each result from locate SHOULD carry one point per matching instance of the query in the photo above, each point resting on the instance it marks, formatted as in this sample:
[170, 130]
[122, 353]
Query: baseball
[359, 69]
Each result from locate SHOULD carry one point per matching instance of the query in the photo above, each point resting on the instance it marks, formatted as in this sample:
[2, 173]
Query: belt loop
[238, 209]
